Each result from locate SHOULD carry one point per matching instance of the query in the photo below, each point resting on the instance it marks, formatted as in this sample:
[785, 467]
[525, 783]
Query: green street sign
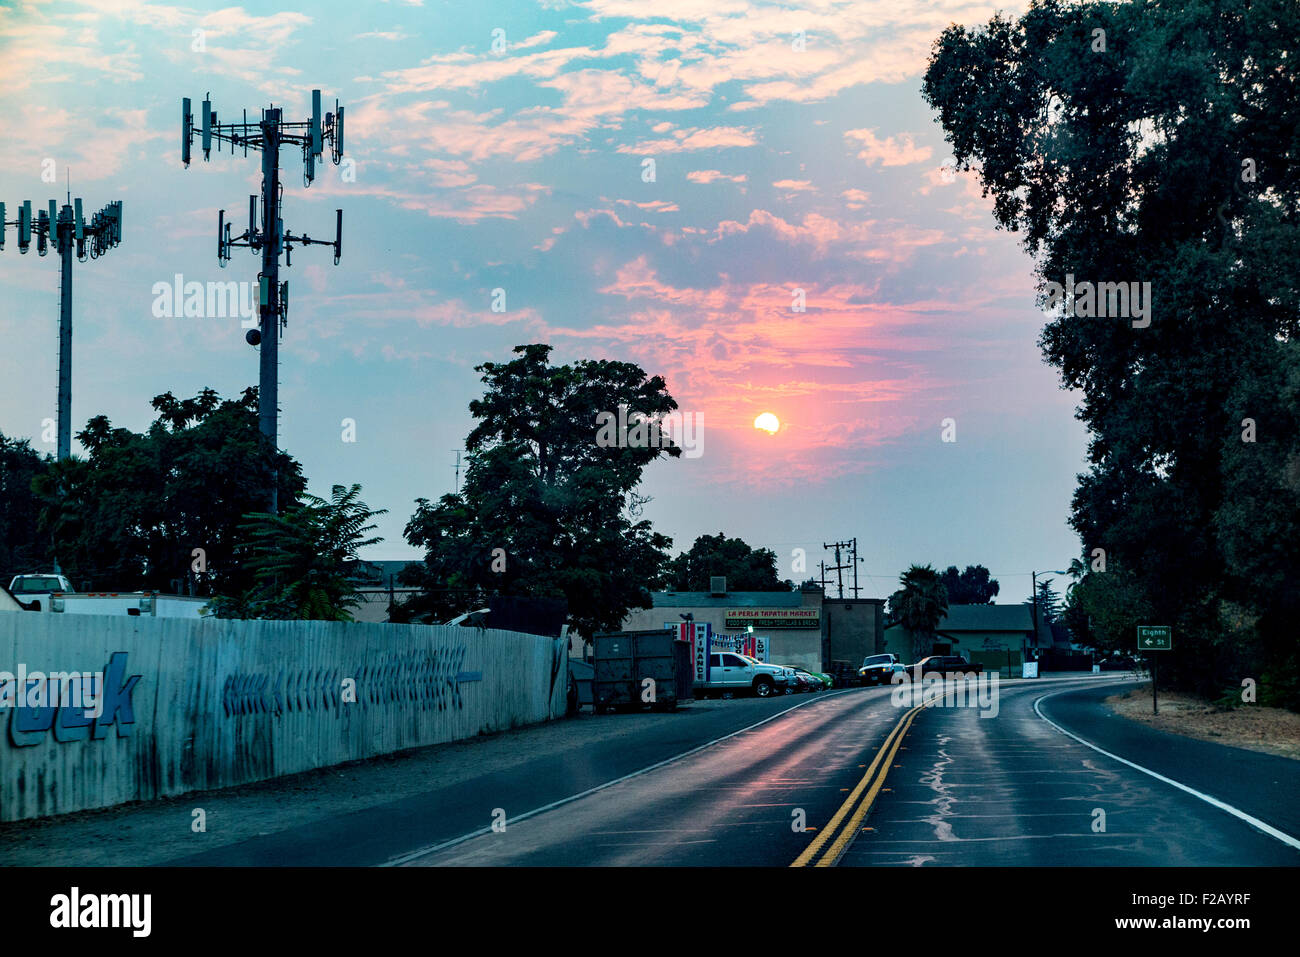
[1155, 638]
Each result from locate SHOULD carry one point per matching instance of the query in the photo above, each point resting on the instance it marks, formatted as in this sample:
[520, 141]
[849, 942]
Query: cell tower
[65, 229]
[268, 135]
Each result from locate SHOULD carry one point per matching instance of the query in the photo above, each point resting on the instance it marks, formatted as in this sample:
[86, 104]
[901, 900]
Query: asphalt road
[1015, 791]
[392, 829]
[879, 784]
[840, 778]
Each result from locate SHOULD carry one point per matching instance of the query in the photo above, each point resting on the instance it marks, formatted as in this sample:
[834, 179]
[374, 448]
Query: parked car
[877, 669]
[730, 672]
[845, 675]
[806, 680]
[471, 619]
[37, 589]
[793, 683]
[825, 680]
[946, 665]
[1115, 663]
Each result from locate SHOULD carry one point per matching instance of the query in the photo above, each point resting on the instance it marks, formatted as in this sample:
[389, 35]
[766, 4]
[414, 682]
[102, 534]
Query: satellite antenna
[270, 238]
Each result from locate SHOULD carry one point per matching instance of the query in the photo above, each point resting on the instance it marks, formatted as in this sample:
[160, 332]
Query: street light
[1035, 575]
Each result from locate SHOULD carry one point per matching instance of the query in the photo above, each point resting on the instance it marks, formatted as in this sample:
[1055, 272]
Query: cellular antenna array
[269, 237]
[65, 231]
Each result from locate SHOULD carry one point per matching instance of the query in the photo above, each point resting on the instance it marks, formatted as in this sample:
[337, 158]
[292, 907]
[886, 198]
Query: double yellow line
[863, 796]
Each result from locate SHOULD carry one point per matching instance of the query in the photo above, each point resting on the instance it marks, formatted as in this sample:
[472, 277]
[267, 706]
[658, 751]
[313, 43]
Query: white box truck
[53, 593]
[145, 603]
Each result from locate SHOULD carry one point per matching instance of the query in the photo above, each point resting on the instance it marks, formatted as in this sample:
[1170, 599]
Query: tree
[1089, 153]
[919, 605]
[131, 514]
[544, 507]
[1049, 601]
[302, 560]
[971, 587]
[1104, 609]
[745, 568]
[22, 546]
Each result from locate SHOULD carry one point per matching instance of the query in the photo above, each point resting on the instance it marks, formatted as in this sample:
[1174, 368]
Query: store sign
[698, 634]
[774, 618]
[755, 646]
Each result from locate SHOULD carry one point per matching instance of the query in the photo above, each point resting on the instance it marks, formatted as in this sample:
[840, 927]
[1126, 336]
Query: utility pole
[457, 467]
[851, 546]
[1034, 587]
[268, 135]
[63, 230]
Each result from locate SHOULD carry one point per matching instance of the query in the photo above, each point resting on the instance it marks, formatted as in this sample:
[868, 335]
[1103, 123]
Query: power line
[851, 547]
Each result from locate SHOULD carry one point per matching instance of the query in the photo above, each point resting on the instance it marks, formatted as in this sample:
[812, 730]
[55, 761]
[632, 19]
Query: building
[803, 628]
[378, 588]
[790, 620]
[1000, 637]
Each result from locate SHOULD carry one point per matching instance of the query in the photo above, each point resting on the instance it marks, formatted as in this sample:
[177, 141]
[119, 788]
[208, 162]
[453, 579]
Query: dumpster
[580, 672]
[623, 661]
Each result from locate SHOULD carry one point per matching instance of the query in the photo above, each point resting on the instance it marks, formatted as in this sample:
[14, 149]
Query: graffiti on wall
[426, 679]
[31, 726]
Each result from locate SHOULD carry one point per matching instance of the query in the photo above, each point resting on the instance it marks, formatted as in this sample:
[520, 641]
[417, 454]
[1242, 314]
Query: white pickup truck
[34, 591]
[54, 593]
[730, 672]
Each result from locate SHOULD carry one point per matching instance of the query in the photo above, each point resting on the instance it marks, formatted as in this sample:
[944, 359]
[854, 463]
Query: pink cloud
[891, 151]
[713, 176]
[719, 137]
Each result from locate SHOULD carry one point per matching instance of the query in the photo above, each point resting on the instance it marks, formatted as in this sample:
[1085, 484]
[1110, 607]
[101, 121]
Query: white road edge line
[487, 829]
[1252, 821]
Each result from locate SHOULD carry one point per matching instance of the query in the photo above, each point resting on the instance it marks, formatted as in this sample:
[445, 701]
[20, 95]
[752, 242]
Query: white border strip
[1252, 821]
[413, 855]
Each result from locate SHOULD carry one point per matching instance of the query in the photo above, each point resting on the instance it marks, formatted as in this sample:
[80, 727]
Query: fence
[190, 705]
[1006, 662]
[1053, 660]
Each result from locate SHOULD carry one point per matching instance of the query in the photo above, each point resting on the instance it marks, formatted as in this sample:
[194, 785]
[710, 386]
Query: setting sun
[767, 422]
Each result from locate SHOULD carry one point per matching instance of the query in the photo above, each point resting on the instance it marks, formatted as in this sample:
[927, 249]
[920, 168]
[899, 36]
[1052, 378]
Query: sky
[503, 146]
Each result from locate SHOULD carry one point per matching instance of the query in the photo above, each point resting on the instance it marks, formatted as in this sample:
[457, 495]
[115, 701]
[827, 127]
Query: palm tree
[920, 604]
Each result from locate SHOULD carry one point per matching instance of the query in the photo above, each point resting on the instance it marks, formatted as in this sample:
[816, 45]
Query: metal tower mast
[65, 229]
[268, 135]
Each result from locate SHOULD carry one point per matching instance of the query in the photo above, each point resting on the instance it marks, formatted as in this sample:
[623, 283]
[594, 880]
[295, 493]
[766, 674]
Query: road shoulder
[1261, 785]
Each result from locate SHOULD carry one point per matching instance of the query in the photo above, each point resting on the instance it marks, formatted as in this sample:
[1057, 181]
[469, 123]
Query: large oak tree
[544, 510]
[1157, 141]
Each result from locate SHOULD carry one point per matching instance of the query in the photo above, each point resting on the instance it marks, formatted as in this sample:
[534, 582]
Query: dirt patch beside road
[1255, 728]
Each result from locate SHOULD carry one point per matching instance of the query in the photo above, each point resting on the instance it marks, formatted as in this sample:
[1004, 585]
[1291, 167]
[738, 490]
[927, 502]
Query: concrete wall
[796, 647]
[898, 641]
[192, 705]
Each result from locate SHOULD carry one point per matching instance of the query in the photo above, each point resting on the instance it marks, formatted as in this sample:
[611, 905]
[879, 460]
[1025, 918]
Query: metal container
[640, 669]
